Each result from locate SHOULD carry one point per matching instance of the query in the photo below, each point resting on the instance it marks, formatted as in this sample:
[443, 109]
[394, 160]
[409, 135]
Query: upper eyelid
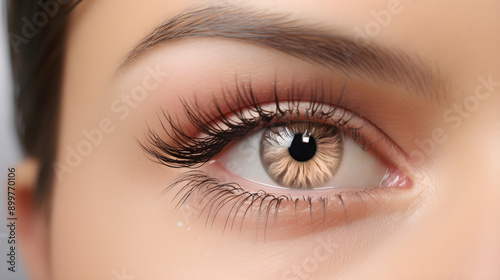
[196, 152]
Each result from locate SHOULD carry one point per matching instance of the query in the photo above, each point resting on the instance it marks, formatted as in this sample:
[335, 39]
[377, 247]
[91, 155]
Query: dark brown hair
[36, 33]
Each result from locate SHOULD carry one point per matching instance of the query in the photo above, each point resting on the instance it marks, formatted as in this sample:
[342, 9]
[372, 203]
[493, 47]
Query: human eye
[321, 153]
[289, 163]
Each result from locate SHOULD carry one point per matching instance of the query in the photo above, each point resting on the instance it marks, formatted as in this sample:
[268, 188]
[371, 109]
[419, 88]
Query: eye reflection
[301, 155]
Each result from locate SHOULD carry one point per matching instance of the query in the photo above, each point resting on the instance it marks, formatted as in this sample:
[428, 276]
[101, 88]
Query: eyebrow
[305, 41]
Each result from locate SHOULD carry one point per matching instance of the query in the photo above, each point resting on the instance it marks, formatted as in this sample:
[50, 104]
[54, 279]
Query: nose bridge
[480, 193]
[481, 247]
[485, 259]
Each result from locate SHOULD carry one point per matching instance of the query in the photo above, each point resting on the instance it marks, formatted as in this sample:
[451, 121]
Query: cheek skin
[107, 216]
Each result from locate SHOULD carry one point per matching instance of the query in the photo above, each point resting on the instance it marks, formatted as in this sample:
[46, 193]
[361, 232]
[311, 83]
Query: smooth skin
[105, 220]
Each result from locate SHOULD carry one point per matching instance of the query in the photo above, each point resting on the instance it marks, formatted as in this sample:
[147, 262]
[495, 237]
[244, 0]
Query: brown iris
[301, 155]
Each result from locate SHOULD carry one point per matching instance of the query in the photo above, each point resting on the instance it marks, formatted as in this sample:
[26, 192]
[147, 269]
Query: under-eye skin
[299, 138]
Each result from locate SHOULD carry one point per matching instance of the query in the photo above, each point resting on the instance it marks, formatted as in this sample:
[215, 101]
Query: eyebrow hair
[304, 41]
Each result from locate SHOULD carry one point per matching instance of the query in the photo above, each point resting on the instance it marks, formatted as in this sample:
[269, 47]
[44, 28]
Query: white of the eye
[358, 169]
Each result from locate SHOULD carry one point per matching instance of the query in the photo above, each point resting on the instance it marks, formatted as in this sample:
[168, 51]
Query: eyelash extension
[219, 129]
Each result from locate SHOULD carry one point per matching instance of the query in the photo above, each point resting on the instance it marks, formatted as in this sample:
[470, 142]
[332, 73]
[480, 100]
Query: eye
[286, 167]
[304, 155]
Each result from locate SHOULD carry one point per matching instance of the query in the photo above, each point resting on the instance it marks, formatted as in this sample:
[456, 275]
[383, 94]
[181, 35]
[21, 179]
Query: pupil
[300, 150]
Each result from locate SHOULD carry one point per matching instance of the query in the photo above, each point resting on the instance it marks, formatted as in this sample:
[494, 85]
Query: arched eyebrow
[305, 41]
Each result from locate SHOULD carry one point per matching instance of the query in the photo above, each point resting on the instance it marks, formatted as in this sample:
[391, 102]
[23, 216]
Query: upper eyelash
[219, 130]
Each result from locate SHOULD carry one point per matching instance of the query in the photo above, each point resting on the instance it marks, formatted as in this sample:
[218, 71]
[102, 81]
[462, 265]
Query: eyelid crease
[240, 112]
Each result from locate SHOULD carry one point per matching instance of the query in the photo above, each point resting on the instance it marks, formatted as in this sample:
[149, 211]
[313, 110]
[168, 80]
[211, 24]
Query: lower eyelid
[270, 217]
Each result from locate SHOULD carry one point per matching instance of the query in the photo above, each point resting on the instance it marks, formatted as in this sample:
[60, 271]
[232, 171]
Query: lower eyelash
[198, 183]
[210, 196]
